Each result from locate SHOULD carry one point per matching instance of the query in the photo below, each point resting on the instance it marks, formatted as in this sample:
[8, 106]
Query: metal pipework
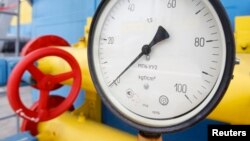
[55, 65]
[234, 108]
[68, 127]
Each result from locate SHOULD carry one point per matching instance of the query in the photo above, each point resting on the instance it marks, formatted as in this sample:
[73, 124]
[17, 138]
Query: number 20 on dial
[161, 65]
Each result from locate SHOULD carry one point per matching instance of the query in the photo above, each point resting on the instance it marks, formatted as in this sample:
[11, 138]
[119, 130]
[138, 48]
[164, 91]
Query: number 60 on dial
[161, 65]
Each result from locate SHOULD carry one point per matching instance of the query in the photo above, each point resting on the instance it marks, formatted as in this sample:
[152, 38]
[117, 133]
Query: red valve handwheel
[45, 83]
[44, 41]
[54, 101]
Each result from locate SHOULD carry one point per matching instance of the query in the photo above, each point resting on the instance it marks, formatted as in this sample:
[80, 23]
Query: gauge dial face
[180, 75]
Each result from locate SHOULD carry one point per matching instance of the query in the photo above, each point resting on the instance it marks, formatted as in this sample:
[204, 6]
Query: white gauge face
[180, 75]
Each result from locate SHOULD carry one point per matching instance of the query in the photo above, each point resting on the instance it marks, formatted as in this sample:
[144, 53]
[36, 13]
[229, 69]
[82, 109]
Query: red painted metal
[32, 127]
[45, 83]
[43, 42]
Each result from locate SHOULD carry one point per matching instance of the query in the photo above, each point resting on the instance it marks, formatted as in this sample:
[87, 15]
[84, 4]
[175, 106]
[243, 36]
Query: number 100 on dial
[161, 65]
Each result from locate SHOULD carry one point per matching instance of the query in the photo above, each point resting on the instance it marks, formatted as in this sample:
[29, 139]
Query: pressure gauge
[161, 65]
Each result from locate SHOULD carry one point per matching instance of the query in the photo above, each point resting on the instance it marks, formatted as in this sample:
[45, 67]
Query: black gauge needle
[160, 35]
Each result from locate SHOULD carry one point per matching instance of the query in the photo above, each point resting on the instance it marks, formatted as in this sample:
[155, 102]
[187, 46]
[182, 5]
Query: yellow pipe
[56, 65]
[234, 107]
[242, 34]
[69, 127]
[25, 14]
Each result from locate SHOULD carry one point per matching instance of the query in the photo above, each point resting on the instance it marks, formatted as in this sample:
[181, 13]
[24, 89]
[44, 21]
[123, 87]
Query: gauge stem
[144, 136]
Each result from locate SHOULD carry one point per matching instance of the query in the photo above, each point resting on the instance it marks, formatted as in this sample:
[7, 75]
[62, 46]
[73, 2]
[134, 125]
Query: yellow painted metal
[25, 14]
[242, 34]
[69, 127]
[234, 107]
[83, 41]
[54, 65]
[91, 108]
[92, 105]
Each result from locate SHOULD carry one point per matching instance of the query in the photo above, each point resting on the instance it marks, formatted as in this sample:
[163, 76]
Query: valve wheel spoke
[35, 72]
[43, 100]
[62, 77]
[44, 83]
